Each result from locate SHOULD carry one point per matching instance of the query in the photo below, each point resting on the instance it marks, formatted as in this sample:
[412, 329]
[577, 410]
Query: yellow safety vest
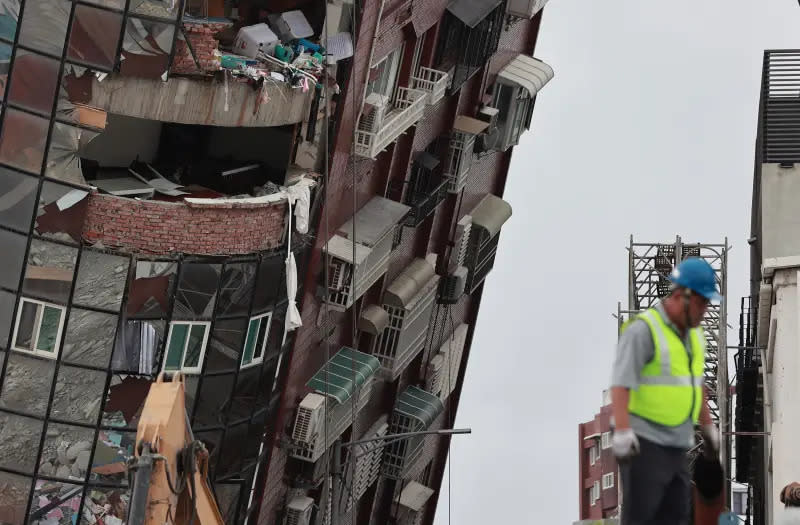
[670, 388]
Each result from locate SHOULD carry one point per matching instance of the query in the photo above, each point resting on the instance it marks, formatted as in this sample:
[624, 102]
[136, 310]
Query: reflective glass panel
[44, 25]
[17, 197]
[159, 8]
[213, 402]
[136, 346]
[62, 212]
[63, 161]
[124, 401]
[211, 439]
[245, 393]
[7, 301]
[66, 451]
[14, 493]
[5, 53]
[150, 289]
[225, 345]
[65, 496]
[270, 281]
[228, 496]
[233, 450]
[12, 257]
[79, 393]
[236, 289]
[90, 44]
[27, 384]
[22, 142]
[101, 280]
[146, 48]
[112, 451]
[89, 337]
[50, 270]
[33, 82]
[197, 291]
[19, 441]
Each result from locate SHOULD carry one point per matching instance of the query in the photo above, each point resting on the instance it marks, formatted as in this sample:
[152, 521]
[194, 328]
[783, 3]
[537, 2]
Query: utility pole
[338, 473]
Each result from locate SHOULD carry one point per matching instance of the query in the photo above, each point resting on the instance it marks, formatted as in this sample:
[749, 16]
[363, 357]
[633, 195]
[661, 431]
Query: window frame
[37, 327]
[594, 454]
[256, 360]
[396, 56]
[606, 483]
[194, 370]
[605, 440]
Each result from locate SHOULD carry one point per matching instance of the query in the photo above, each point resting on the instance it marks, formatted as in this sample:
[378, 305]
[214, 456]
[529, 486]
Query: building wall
[607, 505]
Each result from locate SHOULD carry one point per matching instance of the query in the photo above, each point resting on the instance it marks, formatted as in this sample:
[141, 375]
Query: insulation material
[63, 162]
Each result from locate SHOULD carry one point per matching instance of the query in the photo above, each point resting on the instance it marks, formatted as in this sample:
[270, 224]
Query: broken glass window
[63, 160]
[146, 48]
[22, 142]
[79, 393]
[12, 258]
[136, 346]
[112, 451]
[270, 277]
[157, 8]
[124, 401]
[245, 394]
[212, 406]
[90, 44]
[7, 301]
[14, 492]
[5, 60]
[54, 500]
[9, 15]
[107, 505]
[66, 451]
[62, 212]
[33, 82]
[50, 270]
[19, 442]
[89, 338]
[17, 196]
[44, 25]
[197, 291]
[236, 289]
[150, 289]
[101, 280]
[225, 345]
[26, 387]
[38, 328]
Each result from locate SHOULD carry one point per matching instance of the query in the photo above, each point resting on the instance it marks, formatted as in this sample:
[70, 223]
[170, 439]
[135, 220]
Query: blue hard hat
[697, 275]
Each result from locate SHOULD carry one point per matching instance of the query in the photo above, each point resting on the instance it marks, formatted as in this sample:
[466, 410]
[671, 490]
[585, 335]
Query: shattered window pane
[225, 344]
[26, 387]
[236, 289]
[50, 270]
[19, 441]
[66, 451]
[22, 142]
[45, 493]
[136, 346]
[12, 257]
[158, 8]
[270, 275]
[7, 301]
[63, 161]
[94, 36]
[149, 293]
[33, 82]
[14, 492]
[44, 25]
[197, 291]
[105, 503]
[113, 449]
[213, 402]
[62, 212]
[101, 280]
[17, 196]
[9, 15]
[124, 401]
[146, 48]
[90, 337]
[79, 393]
[245, 394]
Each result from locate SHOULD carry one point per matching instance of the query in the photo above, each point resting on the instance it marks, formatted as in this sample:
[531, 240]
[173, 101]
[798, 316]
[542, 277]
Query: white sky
[647, 129]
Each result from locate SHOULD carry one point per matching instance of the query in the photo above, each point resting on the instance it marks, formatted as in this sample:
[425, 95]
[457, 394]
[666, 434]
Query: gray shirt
[635, 348]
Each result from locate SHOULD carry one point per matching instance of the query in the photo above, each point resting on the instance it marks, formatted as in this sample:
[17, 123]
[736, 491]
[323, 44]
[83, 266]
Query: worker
[657, 398]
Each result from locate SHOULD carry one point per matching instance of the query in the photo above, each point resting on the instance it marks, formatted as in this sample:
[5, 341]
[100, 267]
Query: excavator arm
[169, 470]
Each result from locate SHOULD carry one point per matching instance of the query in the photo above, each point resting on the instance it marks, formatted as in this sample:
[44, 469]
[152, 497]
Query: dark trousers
[656, 487]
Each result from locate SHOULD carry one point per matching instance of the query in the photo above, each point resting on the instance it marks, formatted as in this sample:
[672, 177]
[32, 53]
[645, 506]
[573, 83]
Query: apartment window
[605, 440]
[594, 454]
[417, 59]
[38, 328]
[186, 346]
[256, 341]
[739, 503]
[595, 492]
[590, 496]
[608, 480]
[383, 76]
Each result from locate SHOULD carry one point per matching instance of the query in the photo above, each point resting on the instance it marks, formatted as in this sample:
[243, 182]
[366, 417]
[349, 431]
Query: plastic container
[252, 38]
[291, 25]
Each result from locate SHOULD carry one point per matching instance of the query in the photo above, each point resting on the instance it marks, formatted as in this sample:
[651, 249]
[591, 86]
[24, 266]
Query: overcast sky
[647, 129]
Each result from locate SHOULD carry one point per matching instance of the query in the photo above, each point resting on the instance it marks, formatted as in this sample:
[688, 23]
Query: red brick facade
[201, 38]
[596, 435]
[161, 228]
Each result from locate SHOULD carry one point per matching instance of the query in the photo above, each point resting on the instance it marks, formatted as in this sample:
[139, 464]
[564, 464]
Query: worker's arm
[620, 396]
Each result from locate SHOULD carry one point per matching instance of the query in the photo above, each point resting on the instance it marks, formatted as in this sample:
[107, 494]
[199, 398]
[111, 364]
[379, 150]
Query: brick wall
[155, 227]
[201, 38]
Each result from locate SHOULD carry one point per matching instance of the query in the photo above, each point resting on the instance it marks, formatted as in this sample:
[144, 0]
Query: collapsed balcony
[384, 119]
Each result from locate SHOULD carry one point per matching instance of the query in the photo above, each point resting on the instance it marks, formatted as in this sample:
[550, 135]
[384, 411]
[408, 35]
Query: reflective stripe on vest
[670, 389]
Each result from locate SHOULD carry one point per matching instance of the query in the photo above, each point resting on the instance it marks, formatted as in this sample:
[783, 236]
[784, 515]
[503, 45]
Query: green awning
[420, 405]
[345, 372]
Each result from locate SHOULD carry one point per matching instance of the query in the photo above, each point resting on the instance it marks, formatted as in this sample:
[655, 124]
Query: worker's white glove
[711, 437]
[624, 443]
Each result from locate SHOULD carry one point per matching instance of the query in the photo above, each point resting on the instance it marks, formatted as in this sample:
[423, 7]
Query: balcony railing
[431, 81]
[459, 160]
[424, 202]
[406, 109]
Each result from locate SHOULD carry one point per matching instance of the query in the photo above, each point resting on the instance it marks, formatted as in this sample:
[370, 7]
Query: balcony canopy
[347, 371]
[529, 73]
[490, 214]
[419, 405]
[373, 320]
[471, 12]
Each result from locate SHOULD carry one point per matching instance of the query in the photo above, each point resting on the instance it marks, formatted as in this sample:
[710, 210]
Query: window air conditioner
[298, 511]
[309, 418]
[453, 286]
[489, 140]
[458, 254]
[375, 110]
[433, 379]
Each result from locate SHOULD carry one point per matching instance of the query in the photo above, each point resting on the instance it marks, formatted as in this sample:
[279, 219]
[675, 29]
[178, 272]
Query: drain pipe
[369, 63]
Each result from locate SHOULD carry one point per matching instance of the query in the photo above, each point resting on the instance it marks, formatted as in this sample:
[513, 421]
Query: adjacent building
[599, 487]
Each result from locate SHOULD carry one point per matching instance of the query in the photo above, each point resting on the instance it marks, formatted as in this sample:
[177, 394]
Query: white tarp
[299, 196]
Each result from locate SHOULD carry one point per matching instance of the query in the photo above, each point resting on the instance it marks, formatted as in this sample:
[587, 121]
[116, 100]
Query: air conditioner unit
[453, 286]
[489, 115]
[433, 378]
[298, 511]
[489, 140]
[375, 109]
[458, 253]
[309, 419]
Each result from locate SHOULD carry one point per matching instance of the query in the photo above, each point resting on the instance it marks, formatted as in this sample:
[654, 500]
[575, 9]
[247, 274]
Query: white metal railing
[459, 160]
[431, 81]
[407, 108]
